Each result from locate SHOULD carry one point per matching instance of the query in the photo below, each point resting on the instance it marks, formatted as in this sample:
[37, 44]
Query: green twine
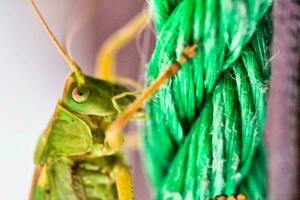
[203, 135]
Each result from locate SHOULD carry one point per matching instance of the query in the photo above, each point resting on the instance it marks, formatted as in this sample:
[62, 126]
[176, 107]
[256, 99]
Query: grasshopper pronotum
[78, 156]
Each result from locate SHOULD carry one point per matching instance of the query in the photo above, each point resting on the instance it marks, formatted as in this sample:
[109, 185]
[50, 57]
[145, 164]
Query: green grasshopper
[79, 155]
[76, 162]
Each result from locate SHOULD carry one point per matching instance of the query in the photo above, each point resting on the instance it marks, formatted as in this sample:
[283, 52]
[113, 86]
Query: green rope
[203, 136]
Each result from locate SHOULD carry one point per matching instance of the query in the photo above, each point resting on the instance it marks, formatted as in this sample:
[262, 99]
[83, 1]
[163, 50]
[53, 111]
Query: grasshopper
[79, 157]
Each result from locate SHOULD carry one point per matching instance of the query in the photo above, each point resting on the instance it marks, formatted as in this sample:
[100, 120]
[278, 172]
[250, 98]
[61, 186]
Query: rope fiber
[204, 132]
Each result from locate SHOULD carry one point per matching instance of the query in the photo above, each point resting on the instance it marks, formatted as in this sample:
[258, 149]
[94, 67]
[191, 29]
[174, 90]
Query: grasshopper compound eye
[80, 94]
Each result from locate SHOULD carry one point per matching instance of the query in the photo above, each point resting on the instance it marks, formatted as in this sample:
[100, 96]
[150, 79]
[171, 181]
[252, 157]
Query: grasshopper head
[94, 97]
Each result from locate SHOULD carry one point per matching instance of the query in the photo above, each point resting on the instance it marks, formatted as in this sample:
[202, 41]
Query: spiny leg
[113, 131]
[105, 61]
[124, 183]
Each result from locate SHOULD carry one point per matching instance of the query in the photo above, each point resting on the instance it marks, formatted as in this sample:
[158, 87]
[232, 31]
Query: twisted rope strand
[204, 132]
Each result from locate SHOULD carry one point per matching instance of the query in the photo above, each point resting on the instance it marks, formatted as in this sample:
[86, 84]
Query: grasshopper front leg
[112, 133]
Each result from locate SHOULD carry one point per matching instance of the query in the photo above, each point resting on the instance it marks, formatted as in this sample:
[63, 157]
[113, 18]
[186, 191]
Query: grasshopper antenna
[73, 65]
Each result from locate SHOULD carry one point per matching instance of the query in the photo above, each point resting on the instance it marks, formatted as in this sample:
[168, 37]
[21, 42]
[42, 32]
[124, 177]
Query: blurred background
[33, 74]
